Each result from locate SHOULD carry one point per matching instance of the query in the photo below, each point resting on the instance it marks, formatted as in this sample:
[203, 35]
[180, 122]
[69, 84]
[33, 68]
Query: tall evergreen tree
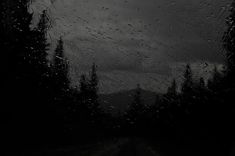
[187, 91]
[172, 90]
[158, 101]
[15, 37]
[229, 43]
[22, 35]
[39, 53]
[226, 88]
[62, 101]
[171, 97]
[26, 63]
[88, 108]
[214, 83]
[40, 44]
[93, 88]
[187, 84]
[202, 83]
[84, 90]
[61, 70]
[201, 91]
[136, 108]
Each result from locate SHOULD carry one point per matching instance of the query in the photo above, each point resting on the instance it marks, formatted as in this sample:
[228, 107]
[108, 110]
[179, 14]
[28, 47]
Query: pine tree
[187, 85]
[188, 91]
[226, 89]
[61, 71]
[214, 84]
[93, 88]
[25, 56]
[39, 53]
[172, 90]
[229, 43]
[15, 44]
[136, 108]
[88, 114]
[202, 83]
[62, 100]
[158, 101]
[84, 90]
[201, 90]
[22, 34]
[26, 63]
[40, 44]
[170, 98]
[217, 76]
[15, 38]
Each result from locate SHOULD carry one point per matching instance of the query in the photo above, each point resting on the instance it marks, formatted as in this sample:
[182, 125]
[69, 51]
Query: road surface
[114, 147]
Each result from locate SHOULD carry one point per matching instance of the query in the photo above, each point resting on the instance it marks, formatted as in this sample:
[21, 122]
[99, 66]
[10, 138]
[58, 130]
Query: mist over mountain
[119, 102]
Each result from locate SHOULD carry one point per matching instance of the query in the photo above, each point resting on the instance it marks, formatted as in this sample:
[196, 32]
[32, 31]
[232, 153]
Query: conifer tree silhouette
[202, 83]
[40, 44]
[227, 87]
[214, 83]
[39, 53]
[61, 69]
[172, 90]
[228, 44]
[84, 90]
[93, 89]
[187, 84]
[15, 42]
[26, 51]
[136, 109]
[187, 90]
[62, 100]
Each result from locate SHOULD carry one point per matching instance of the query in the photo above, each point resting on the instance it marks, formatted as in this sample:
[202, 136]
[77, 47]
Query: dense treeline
[39, 103]
[200, 110]
[41, 106]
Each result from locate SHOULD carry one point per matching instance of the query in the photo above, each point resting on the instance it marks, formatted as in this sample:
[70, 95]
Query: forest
[41, 108]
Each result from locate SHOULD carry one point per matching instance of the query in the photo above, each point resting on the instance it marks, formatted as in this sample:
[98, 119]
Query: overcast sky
[137, 41]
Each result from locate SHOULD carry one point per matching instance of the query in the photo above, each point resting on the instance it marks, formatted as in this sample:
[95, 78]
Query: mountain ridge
[118, 102]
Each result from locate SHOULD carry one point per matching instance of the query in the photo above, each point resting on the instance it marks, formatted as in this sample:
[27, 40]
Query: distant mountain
[118, 102]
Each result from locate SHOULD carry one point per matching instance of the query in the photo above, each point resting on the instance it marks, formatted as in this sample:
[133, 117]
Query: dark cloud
[136, 36]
